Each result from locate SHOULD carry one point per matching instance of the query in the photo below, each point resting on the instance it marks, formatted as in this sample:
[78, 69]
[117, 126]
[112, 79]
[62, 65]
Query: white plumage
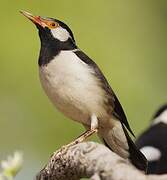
[60, 33]
[151, 153]
[72, 87]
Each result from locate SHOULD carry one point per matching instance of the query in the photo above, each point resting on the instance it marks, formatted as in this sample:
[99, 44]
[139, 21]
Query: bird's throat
[51, 47]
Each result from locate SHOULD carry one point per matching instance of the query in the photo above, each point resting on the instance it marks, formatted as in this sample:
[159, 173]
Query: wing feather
[113, 101]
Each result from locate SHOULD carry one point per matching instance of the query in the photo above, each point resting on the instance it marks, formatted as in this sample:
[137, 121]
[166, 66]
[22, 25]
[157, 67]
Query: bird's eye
[53, 24]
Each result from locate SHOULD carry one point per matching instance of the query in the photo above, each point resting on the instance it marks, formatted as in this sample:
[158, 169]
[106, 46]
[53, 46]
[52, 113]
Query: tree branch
[91, 160]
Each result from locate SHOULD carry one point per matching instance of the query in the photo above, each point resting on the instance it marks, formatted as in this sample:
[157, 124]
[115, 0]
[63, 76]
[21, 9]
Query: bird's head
[51, 29]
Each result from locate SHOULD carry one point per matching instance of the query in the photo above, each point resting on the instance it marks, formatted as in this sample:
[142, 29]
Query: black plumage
[155, 136]
[50, 47]
[113, 104]
[115, 109]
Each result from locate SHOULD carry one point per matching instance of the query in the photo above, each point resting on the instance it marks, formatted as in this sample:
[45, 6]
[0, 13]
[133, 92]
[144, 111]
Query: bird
[152, 142]
[77, 87]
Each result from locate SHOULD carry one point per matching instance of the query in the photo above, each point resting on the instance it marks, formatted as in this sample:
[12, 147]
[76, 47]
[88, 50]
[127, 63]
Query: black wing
[112, 99]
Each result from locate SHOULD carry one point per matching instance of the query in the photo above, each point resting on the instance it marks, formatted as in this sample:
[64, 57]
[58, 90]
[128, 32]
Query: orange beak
[35, 19]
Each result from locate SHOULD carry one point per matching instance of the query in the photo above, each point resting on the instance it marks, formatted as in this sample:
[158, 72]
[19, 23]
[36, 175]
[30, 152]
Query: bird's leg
[94, 122]
[93, 129]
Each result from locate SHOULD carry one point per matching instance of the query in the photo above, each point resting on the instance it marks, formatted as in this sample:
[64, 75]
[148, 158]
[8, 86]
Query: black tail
[136, 157]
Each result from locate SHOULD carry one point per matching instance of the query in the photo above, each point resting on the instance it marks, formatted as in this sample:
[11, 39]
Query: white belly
[72, 87]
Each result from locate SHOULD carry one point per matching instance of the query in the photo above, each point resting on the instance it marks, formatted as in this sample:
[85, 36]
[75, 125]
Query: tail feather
[136, 157]
[118, 140]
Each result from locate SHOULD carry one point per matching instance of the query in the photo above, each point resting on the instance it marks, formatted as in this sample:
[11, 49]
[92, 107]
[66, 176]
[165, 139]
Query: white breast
[72, 87]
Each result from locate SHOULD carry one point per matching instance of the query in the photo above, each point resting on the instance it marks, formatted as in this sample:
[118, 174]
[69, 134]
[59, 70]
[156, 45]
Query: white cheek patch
[151, 153]
[60, 33]
[162, 118]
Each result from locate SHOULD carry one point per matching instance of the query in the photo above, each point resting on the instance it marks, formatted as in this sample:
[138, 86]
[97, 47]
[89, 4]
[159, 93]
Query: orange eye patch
[51, 24]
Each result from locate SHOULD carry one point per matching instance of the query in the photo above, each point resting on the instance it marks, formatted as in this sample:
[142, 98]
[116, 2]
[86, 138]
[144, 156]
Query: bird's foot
[93, 129]
[80, 139]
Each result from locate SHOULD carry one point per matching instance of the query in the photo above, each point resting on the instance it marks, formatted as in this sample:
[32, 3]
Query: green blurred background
[127, 39]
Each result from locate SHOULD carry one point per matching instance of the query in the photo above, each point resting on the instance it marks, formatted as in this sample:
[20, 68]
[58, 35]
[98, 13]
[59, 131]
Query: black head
[54, 35]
